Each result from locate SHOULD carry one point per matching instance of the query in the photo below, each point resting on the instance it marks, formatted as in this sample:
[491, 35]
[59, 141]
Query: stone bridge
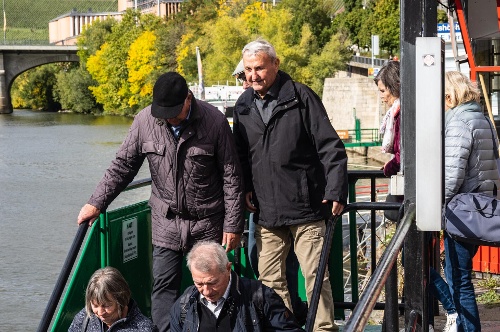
[15, 60]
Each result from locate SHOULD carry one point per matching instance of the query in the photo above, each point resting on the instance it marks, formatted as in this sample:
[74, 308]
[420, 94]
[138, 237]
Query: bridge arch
[15, 60]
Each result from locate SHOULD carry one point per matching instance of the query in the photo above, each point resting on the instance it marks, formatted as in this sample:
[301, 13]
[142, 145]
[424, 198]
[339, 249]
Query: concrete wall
[350, 95]
[347, 97]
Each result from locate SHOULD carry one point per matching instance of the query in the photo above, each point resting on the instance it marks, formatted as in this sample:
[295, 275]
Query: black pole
[373, 229]
[318, 283]
[63, 277]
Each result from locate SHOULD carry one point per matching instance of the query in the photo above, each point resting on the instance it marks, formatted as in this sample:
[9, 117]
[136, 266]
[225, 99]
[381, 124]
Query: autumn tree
[116, 90]
[72, 91]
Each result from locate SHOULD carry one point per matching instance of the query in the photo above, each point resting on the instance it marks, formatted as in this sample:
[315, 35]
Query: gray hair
[107, 285]
[260, 46]
[207, 255]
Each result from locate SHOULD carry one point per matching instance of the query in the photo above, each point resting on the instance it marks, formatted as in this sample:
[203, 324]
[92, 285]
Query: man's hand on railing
[88, 213]
[337, 207]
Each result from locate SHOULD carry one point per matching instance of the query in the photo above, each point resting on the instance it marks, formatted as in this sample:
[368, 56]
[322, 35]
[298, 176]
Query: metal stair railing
[363, 309]
[325, 252]
[70, 261]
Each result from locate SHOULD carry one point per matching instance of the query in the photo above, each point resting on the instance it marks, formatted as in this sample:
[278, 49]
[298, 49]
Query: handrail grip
[325, 252]
[363, 309]
[63, 277]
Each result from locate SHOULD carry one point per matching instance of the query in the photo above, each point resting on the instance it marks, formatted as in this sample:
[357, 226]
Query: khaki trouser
[272, 248]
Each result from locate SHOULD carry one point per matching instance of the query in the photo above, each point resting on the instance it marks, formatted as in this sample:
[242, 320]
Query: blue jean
[441, 291]
[458, 272]
[292, 267]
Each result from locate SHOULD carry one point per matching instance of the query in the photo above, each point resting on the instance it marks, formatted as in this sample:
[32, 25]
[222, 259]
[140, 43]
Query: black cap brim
[164, 112]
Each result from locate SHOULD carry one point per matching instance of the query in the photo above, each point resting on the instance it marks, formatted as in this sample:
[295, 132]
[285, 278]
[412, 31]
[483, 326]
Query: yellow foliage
[140, 64]
[95, 64]
[223, 8]
[253, 16]
[183, 51]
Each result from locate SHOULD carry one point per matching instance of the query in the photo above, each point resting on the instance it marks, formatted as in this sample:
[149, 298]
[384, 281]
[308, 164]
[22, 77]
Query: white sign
[129, 239]
[443, 31]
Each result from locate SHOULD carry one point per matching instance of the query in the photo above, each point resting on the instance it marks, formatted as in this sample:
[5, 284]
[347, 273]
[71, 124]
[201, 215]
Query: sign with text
[443, 31]
[129, 239]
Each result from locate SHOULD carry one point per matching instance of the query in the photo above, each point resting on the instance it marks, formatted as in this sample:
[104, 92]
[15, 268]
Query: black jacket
[269, 315]
[294, 162]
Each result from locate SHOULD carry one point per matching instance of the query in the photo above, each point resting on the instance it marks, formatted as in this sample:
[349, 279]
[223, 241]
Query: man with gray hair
[222, 301]
[295, 171]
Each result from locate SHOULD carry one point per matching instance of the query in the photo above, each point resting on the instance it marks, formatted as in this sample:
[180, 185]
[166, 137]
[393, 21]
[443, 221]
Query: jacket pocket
[153, 147]
[201, 159]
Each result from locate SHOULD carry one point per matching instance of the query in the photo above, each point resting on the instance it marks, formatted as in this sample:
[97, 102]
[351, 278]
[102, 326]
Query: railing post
[353, 244]
[63, 277]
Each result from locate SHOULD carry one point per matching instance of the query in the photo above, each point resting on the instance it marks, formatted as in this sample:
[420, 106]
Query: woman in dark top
[109, 306]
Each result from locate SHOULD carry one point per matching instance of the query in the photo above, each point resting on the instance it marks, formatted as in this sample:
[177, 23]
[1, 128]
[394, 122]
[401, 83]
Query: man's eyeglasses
[241, 78]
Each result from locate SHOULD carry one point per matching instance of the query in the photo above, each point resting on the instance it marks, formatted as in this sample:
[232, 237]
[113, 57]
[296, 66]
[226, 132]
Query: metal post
[4, 24]
[353, 245]
[373, 56]
[416, 21]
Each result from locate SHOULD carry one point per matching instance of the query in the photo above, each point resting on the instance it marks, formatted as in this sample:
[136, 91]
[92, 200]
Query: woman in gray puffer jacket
[470, 164]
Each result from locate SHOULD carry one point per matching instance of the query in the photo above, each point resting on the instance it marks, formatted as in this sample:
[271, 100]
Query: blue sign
[445, 27]
[443, 31]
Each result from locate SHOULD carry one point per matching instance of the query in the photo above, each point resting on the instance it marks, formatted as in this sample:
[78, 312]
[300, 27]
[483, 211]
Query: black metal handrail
[325, 252]
[363, 309]
[70, 261]
[63, 278]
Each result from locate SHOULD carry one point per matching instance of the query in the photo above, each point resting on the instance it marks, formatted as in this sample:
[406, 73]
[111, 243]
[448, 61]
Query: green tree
[108, 66]
[72, 91]
[34, 88]
[92, 37]
[350, 22]
[386, 24]
[311, 12]
[326, 63]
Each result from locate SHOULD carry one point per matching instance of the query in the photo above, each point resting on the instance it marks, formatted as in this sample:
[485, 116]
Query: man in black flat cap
[196, 190]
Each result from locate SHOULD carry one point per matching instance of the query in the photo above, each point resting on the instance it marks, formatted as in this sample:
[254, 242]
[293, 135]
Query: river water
[50, 164]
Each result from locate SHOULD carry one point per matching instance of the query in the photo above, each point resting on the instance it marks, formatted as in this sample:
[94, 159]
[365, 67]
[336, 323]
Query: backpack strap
[257, 297]
[85, 323]
[184, 304]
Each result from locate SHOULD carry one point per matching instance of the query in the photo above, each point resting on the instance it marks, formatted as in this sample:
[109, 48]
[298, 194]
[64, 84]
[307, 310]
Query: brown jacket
[197, 185]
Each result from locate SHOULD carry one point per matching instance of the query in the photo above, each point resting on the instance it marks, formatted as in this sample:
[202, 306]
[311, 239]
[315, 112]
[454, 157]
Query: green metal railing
[122, 238]
[360, 137]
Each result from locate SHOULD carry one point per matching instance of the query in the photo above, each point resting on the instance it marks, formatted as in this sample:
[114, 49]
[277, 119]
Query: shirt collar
[273, 91]
[223, 298]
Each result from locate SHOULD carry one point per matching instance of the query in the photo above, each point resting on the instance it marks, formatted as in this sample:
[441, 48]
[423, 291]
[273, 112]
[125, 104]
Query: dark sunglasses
[241, 78]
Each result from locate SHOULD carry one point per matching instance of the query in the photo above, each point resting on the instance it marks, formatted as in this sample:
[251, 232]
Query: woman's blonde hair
[460, 88]
[107, 285]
